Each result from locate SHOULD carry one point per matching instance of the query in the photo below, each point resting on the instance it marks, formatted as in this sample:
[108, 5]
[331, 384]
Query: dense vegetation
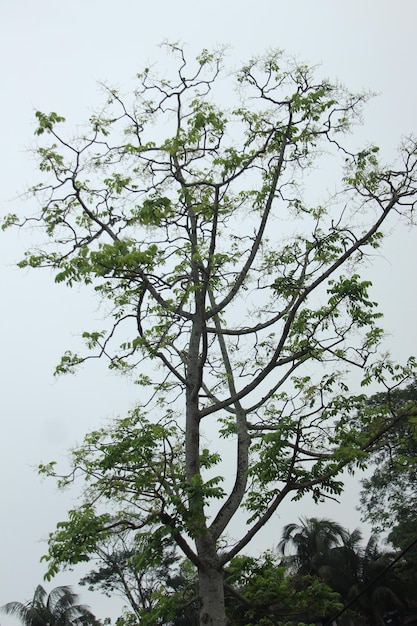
[319, 571]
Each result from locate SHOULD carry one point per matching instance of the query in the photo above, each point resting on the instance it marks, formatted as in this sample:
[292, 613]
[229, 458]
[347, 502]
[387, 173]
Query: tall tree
[191, 221]
[59, 608]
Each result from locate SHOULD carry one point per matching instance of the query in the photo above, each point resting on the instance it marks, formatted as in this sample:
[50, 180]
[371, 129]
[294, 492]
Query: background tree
[388, 498]
[311, 540]
[388, 592]
[389, 494]
[59, 608]
[135, 570]
[192, 223]
[148, 576]
[359, 575]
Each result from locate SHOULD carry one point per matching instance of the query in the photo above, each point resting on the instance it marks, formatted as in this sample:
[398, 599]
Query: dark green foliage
[389, 495]
[310, 541]
[361, 576]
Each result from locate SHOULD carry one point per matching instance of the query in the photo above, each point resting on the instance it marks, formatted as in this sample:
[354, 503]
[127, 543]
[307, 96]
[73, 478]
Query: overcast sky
[53, 54]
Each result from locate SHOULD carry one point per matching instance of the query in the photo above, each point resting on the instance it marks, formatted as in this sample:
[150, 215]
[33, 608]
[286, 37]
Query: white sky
[53, 53]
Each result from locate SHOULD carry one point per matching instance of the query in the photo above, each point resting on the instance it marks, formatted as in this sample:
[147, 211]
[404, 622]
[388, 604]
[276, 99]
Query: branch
[258, 239]
[229, 508]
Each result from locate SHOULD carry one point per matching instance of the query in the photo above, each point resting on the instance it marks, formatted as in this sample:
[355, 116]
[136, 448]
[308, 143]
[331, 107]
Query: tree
[387, 593]
[324, 549]
[389, 494]
[341, 565]
[312, 539]
[157, 588]
[388, 497]
[268, 595]
[133, 570]
[59, 608]
[360, 575]
[192, 224]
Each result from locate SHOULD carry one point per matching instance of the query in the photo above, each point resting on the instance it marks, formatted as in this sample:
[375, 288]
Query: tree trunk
[212, 610]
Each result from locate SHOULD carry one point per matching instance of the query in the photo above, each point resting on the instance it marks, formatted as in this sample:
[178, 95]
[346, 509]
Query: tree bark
[211, 591]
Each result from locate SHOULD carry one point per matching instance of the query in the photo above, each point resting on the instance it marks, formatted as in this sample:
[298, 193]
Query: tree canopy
[388, 496]
[364, 577]
[312, 540]
[190, 215]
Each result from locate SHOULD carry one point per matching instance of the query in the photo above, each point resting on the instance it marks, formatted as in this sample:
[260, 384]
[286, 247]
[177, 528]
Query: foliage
[134, 570]
[59, 608]
[191, 221]
[312, 539]
[359, 575]
[267, 595]
[388, 497]
[156, 588]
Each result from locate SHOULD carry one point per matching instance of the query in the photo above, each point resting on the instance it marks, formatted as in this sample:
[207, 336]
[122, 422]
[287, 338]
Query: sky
[53, 56]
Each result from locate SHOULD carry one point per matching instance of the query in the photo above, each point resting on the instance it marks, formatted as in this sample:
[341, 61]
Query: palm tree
[388, 593]
[325, 549]
[59, 608]
[344, 563]
[312, 540]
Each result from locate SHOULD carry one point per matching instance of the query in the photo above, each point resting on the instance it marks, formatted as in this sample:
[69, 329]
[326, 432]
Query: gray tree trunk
[212, 611]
